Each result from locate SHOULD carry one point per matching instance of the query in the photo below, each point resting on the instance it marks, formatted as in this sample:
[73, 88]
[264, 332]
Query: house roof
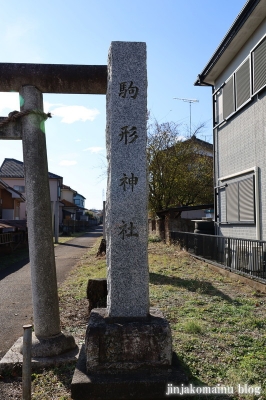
[79, 195]
[68, 203]
[68, 188]
[202, 143]
[15, 193]
[7, 223]
[12, 168]
[245, 24]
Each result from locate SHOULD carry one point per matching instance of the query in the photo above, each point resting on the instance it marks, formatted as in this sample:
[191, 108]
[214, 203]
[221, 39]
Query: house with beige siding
[10, 202]
[12, 173]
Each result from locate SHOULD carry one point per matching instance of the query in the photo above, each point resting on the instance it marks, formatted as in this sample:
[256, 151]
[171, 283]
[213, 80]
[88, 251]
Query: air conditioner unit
[257, 258]
[242, 258]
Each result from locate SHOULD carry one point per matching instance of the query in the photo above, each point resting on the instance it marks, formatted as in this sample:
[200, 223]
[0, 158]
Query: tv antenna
[190, 101]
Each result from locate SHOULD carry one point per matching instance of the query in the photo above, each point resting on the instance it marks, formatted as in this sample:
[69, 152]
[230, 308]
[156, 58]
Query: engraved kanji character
[128, 181]
[128, 88]
[131, 133]
[125, 231]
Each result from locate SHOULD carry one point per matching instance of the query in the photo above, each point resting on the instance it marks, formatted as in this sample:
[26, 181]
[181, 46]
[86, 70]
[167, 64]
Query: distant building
[12, 173]
[79, 200]
[10, 200]
[67, 199]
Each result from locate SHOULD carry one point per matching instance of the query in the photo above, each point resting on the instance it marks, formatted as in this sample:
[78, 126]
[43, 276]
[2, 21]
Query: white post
[26, 366]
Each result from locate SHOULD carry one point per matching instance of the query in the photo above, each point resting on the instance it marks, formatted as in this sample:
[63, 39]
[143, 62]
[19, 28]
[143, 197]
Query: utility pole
[188, 101]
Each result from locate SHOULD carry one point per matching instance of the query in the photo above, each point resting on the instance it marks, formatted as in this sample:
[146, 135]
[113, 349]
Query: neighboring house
[67, 199]
[10, 200]
[202, 147]
[12, 173]
[237, 74]
[79, 200]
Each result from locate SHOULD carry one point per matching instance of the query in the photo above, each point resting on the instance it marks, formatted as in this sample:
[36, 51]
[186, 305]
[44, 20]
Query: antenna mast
[188, 101]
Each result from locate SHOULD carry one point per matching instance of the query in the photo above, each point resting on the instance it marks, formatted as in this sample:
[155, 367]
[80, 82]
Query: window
[219, 107]
[228, 98]
[259, 66]
[240, 202]
[20, 189]
[242, 81]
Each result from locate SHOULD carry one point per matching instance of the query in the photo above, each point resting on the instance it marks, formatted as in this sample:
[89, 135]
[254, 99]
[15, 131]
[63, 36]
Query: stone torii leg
[48, 339]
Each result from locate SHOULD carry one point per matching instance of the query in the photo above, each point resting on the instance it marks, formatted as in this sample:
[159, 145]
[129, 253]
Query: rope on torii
[15, 115]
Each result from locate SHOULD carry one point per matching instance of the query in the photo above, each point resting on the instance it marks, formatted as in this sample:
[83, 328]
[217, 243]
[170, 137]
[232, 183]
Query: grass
[218, 325]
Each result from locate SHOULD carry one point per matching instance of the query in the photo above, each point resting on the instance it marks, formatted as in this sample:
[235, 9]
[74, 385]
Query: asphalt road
[15, 287]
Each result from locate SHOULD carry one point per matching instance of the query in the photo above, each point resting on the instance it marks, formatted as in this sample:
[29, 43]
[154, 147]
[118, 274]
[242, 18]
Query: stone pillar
[39, 220]
[104, 231]
[126, 203]
[160, 228]
[53, 217]
[56, 217]
[168, 223]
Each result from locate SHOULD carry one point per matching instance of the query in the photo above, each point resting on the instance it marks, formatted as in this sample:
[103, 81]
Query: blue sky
[181, 36]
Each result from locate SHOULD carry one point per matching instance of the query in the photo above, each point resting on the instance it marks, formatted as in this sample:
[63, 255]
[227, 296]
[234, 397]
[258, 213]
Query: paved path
[15, 287]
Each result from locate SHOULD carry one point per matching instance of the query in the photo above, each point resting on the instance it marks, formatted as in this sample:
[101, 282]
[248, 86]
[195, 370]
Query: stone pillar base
[126, 358]
[127, 343]
[51, 346]
[149, 383]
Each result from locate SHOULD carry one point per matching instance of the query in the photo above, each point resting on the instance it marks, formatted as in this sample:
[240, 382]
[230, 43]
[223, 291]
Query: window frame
[238, 183]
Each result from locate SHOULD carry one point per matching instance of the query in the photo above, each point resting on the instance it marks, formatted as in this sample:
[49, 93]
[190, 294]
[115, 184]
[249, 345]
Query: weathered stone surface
[54, 78]
[126, 204]
[125, 344]
[13, 358]
[52, 346]
[97, 293]
[39, 218]
[136, 385]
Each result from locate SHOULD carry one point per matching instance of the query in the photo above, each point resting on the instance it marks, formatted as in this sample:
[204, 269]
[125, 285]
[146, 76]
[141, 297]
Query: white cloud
[94, 149]
[70, 114]
[67, 163]
[47, 106]
[8, 102]
[78, 140]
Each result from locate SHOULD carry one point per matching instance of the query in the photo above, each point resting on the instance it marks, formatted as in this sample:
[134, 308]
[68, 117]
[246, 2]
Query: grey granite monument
[127, 340]
[126, 206]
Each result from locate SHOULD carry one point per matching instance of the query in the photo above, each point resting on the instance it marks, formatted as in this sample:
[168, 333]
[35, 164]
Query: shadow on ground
[192, 285]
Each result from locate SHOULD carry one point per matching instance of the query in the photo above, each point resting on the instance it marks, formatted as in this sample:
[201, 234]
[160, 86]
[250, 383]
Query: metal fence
[72, 226]
[247, 257]
[13, 239]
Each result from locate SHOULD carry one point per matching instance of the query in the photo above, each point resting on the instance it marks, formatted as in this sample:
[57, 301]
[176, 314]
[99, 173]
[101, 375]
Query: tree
[180, 171]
